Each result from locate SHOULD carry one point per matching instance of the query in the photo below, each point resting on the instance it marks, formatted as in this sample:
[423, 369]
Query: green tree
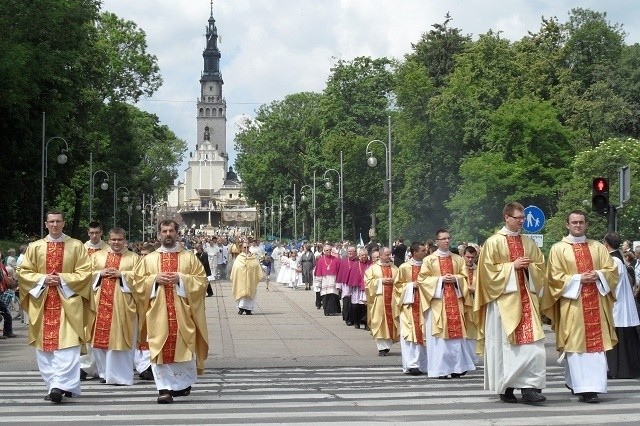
[527, 158]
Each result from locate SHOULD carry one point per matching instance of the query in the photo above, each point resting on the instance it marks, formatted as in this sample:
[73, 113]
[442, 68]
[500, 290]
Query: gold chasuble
[57, 316]
[411, 315]
[447, 311]
[584, 324]
[382, 301]
[176, 325]
[519, 306]
[116, 310]
[470, 317]
[245, 276]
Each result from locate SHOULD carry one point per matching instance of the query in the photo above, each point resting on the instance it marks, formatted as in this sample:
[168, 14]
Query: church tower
[210, 187]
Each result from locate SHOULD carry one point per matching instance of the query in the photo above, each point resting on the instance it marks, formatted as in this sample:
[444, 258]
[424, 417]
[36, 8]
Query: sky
[273, 48]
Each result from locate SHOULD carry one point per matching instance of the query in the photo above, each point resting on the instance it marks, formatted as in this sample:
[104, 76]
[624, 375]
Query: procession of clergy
[149, 311]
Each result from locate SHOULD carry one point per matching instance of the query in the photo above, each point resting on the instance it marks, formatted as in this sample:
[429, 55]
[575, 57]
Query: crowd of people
[102, 309]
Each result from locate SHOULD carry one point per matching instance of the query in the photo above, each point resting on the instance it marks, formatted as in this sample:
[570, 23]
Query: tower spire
[211, 53]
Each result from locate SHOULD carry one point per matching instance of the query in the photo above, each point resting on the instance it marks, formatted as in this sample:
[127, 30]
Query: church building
[210, 198]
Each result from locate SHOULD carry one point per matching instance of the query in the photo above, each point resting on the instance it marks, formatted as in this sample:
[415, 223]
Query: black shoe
[10, 335]
[457, 376]
[146, 374]
[414, 372]
[532, 395]
[83, 375]
[508, 398]
[349, 323]
[240, 311]
[383, 352]
[589, 397]
[248, 312]
[357, 325]
[55, 395]
[103, 380]
[183, 392]
[444, 377]
[67, 394]
[209, 295]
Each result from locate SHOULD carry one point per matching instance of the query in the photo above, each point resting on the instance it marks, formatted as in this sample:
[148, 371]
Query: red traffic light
[600, 185]
[600, 195]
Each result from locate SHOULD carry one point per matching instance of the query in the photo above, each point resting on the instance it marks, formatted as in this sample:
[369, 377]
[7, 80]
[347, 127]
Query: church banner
[239, 216]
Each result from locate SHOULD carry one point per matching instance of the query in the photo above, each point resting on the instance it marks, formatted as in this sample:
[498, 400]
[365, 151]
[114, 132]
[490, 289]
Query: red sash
[102, 328]
[590, 300]
[387, 292]
[524, 330]
[169, 263]
[52, 303]
[450, 298]
[416, 312]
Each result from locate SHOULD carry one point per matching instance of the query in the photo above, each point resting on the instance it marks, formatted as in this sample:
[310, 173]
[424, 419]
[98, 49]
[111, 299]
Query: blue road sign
[533, 219]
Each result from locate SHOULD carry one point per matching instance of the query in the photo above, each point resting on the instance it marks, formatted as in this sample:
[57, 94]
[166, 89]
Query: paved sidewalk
[285, 329]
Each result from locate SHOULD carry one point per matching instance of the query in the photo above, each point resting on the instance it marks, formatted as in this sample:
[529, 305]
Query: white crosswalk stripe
[312, 396]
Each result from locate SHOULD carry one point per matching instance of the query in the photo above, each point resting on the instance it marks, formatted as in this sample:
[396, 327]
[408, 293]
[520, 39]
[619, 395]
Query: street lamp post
[115, 198]
[327, 183]
[143, 209]
[313, 203]
[295, 211]
[62, 159]
[372, 162]
[92, 177]
[280, 219]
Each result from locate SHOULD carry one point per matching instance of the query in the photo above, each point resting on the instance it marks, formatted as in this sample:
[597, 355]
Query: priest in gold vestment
[444, 280]
[511, 273]
[412, 307]
[55, 291]
[246, 272]
[382, 301]
[113, 339]
[170, 285]
[579, 298]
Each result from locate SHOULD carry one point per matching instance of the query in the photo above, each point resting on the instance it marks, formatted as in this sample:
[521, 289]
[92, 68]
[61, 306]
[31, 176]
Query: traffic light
[600, 195]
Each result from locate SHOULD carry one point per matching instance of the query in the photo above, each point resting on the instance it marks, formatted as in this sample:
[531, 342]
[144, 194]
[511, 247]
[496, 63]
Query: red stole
[416, 312]
[590, 300]
[92, 250]
[52, 304]
[169, 263]
[102, 328]
[387, 294]
[452, 310]
[524, 330]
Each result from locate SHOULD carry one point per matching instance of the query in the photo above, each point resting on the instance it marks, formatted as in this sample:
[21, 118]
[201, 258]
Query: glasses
[577, 222]
[516, 217]
[443, 239]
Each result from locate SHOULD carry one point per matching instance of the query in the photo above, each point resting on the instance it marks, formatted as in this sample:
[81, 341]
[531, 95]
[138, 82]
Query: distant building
[210, 198]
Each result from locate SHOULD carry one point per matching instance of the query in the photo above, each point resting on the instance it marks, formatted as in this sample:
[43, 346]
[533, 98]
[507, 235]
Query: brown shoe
[165, 397]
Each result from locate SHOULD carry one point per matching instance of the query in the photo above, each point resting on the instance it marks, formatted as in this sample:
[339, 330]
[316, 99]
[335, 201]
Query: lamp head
[62, 158]
[372, 161]
[285, 205]
[303, 198]
[104, 185]
[327, 184]
[125, 199]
